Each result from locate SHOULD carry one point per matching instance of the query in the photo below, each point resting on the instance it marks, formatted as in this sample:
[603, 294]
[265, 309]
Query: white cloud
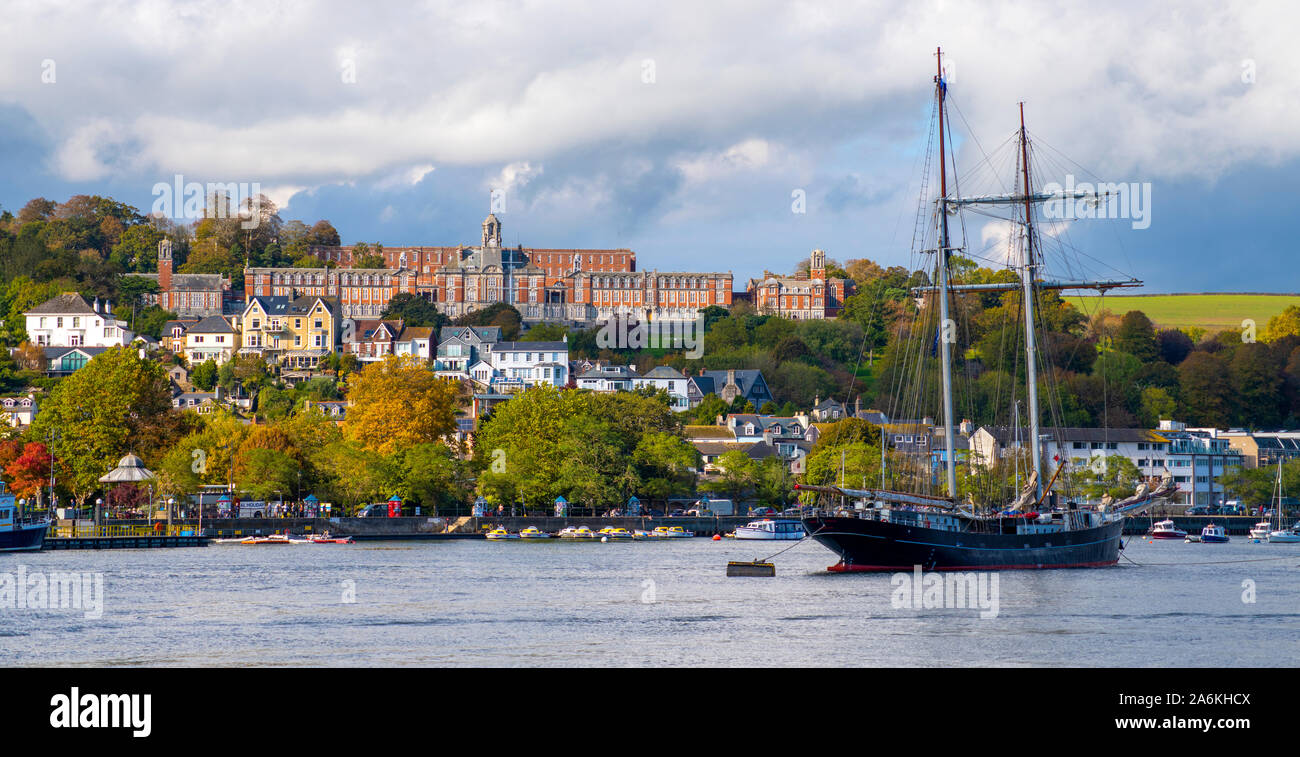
[248, 91]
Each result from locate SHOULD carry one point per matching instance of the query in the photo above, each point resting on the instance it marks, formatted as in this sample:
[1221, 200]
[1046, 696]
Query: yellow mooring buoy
[756, 568]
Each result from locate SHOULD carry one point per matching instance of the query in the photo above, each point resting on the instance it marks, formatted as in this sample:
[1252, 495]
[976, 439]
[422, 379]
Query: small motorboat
[614, 533]
[1193, 539]
[272, 539]
[1165, 530]
[1260, 532]
[500, 534]
[772, 529]
[533, 532]
[577, 532]
[325, 538]
[671, 532]
[1213, 534]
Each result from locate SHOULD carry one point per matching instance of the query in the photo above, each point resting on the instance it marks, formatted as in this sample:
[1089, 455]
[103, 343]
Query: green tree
[100, 413]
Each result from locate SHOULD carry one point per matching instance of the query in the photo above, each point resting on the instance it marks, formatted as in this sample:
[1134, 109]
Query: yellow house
[295, 333]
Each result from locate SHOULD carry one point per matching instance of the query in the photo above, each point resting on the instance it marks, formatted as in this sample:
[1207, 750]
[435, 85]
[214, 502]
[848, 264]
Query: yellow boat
[671, 532]
[533, 532]
[499, 533]
[577, 532]
[611, 532]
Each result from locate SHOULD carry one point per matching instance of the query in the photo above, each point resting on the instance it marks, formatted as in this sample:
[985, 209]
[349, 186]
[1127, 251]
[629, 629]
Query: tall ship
[1038, 521]
[18, 533]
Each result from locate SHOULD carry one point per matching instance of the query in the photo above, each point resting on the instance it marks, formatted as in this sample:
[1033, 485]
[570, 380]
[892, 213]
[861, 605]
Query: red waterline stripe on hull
[842, 568]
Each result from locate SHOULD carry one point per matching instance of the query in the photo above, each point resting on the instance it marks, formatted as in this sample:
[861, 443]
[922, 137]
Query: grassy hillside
[1212, 312]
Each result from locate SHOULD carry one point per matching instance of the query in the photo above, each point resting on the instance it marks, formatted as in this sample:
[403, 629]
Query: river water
[407, 603]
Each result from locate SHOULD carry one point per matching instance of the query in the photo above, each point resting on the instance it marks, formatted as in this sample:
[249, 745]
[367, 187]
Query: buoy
[604, 539]
[717, 537]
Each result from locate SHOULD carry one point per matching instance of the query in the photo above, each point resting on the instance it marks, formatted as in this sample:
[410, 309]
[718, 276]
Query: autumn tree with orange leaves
[397, 403]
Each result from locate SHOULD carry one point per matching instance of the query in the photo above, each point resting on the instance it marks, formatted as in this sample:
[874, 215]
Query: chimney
[216, 392]
[857, 405]
[731, 375]
[95, 305]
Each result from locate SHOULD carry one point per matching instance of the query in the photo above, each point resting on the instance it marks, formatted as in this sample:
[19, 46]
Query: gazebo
[633, 505]
[129, 470]
[561, 507]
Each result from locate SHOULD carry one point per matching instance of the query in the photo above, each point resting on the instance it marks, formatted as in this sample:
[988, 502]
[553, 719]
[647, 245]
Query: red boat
[1165, 530]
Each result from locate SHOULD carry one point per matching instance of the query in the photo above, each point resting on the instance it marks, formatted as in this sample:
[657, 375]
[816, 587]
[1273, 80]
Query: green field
[1212, 312]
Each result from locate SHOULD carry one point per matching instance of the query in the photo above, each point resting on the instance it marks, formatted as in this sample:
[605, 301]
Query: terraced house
[212, 338]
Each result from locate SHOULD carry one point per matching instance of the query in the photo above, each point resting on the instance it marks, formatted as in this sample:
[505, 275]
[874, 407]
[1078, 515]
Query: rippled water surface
[643, 604]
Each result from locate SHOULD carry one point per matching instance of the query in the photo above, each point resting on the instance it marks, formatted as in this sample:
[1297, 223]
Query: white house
[212, 338]
[607, 378]
[69, 321]
[519, 365]
[18, 411]
[670, 380]
[416, 341]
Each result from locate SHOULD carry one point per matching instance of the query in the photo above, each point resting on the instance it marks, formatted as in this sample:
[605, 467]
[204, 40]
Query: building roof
[708, 432]
[213, 324]
[663, 372]
[65, 304]
[608, 372]
[484, 333]
[715, 381]
[531, 347]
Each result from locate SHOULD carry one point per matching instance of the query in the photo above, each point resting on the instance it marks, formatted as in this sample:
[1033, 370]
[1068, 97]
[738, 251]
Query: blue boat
[18, 534]
[1213, 534]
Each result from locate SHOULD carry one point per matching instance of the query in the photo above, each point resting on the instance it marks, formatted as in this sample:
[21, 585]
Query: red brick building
[802, 296]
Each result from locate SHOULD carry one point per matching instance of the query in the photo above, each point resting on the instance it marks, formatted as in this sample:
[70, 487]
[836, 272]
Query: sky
[689, 132]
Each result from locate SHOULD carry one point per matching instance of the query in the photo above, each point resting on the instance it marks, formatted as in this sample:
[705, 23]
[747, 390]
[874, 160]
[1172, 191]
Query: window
[1080, 445]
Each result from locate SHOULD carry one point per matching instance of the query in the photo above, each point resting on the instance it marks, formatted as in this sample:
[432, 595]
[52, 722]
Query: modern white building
[510, 366]
[1194, 457]
[607, 378]
[70, 321]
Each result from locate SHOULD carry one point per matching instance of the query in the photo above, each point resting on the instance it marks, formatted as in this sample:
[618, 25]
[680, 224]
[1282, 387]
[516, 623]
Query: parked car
[373, 511]
[1200, 510]
[1233, 510]
[763, 511]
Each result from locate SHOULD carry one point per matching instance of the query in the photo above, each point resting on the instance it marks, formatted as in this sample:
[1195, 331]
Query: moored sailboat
[894, 530]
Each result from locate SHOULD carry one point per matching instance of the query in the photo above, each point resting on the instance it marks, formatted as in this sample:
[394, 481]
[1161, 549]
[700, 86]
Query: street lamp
[99, 504]
[171, 502]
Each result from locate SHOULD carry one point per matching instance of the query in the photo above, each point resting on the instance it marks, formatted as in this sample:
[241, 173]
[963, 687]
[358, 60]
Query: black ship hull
[876, 545]
[24, 538]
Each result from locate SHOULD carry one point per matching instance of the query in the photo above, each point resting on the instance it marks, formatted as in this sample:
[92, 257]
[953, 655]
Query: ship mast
[1027, 279]
[945, 332]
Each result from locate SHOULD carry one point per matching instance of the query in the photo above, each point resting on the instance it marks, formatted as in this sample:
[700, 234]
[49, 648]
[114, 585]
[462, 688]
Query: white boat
[770, 529]
[500, 534]
[1277, 534]
[1284, 536]
[1260, 532]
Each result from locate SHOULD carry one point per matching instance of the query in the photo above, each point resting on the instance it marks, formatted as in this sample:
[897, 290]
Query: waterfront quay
[420, 527]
